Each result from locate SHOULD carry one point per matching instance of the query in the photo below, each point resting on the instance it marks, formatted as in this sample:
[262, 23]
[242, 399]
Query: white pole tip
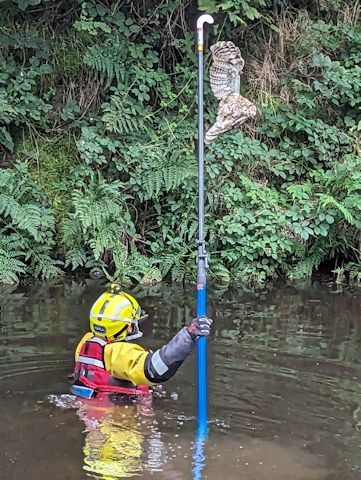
[204, 19]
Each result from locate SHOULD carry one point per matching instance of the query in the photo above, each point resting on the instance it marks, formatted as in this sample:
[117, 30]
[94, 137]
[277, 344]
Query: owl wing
[233, 111]
[226, 69]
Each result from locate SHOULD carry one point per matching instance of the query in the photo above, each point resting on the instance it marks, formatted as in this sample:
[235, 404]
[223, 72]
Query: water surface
[284, 388]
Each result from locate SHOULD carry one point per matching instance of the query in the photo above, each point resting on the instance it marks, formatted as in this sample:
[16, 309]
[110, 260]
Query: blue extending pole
[202, 256]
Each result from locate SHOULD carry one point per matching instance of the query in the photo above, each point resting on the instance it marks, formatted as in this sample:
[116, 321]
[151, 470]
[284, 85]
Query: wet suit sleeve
[128, 361]
[161, 365]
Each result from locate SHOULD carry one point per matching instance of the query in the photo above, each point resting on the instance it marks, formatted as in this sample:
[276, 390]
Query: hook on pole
[206, 18]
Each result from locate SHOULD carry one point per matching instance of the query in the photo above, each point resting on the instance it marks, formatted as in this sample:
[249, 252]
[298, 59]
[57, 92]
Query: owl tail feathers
[223, 127]
[214, 132]
[224, 123]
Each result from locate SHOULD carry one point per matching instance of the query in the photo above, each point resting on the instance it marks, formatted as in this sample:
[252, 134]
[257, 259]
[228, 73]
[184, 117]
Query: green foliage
[11, 250]
[98, 135]
[236, 11]
[27, 228]
[95, 147]
[49, 165]
[162, 169]
[19, 101]
[96, 230]
[307, 265]
[122, 119]
[24, 4]
[350, 272]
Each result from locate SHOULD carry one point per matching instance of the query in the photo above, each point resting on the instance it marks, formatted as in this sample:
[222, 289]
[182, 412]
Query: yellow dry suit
[129, 362]
[109, 367]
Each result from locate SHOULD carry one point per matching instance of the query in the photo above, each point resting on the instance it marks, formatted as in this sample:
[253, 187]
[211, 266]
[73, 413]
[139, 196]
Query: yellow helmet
[113, 313]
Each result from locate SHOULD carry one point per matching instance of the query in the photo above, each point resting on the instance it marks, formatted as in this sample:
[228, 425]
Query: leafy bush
[98, 134]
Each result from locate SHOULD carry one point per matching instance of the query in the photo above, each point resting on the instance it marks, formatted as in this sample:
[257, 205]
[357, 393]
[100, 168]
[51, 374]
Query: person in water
[106, 361]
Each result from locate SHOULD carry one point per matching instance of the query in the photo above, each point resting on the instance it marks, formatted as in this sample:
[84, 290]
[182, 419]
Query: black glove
[200, 327]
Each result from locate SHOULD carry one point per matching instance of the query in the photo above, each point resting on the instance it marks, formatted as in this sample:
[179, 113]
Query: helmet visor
[136, 333]
[143, 317]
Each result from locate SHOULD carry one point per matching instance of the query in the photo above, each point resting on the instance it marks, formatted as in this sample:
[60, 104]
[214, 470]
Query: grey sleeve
[163, 364]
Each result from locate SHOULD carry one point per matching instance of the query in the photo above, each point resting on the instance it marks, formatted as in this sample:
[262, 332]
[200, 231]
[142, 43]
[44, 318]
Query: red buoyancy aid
[90, 371]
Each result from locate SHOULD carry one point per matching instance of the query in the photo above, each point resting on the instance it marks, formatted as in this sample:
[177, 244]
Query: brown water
[284, 389]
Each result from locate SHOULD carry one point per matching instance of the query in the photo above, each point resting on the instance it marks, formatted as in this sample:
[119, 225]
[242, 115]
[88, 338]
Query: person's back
[105, 361]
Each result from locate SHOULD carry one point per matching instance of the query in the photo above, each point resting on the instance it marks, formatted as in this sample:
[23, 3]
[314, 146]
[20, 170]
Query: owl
[225, 74]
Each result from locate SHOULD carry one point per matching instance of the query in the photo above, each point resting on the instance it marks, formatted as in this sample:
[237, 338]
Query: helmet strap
[136, 333]
[120, 332]
[133, 336]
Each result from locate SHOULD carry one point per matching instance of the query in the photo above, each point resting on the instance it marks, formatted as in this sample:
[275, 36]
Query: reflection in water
[118, 430]
[199, 457]
[284, 377]
[113, 442]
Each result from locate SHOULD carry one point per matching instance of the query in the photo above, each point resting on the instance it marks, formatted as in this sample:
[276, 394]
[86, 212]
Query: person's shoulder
[125, 346]
[81, 343]
[86, 337]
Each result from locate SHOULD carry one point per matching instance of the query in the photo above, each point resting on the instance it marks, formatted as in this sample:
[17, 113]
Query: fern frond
[71, 231]
[174, 175]
[92, 212]
[133, 266]
[192, 230]
[151, 183]
[6, 177]
[220, 272]
[34, 219]
[164, 171]
[121, 116]
[328, 200]
[43, 265]
[10, 269]
[10, 207]
[108, 60]
[354, 271]
[11, 266]
[107, 239]
[74, 258]
[178, 270]
[151, 276]
[305, 267]
[165, 263]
